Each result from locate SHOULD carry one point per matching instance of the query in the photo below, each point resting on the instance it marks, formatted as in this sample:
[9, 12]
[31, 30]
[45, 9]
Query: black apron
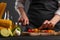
[41, 10]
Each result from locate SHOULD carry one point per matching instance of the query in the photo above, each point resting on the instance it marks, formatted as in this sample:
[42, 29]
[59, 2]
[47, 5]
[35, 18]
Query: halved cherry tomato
[36, 30]
[29, 30]
[51, 31]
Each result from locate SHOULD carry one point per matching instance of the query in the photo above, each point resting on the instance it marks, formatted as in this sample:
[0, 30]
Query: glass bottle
[5, 16]
[8, 15]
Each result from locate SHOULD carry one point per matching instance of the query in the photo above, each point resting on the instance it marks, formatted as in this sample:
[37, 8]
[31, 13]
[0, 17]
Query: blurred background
[11, 8]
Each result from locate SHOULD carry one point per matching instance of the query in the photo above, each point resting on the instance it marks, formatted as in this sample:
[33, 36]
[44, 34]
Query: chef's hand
[51, 24]
[47, 24]
[24, 20]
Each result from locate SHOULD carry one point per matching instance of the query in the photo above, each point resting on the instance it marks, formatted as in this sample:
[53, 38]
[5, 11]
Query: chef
[40, 12]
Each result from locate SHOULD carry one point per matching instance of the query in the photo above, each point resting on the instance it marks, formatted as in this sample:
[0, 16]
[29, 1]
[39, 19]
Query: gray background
[13, 12]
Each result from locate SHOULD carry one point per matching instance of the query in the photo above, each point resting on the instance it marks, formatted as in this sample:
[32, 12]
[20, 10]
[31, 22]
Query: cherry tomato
[29, 30]
[36, 30]
[33, 30]
[51, 31]
[46, 31]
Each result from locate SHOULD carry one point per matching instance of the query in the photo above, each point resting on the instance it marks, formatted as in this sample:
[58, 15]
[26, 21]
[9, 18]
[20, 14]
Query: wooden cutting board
[40, 34]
